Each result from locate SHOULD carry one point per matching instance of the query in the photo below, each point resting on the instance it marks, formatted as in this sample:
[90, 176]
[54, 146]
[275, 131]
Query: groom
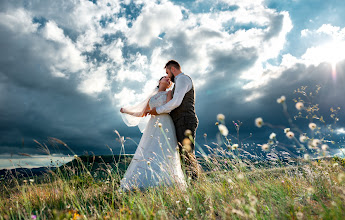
[182, 111]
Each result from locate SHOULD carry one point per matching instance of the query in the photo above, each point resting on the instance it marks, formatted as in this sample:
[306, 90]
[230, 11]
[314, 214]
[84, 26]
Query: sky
[66, 67]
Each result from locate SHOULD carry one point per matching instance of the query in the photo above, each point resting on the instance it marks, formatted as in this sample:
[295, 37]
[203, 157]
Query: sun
[331, 52]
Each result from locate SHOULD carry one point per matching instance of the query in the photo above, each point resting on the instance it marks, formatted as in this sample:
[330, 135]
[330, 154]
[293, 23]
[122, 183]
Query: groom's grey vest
[185, 113]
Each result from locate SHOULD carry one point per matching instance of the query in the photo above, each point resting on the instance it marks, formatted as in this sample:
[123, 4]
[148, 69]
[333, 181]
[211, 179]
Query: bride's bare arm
[169, 96]
[137, 114]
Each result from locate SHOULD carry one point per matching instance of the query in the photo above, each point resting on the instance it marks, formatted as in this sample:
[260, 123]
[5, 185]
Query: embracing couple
[167, 144]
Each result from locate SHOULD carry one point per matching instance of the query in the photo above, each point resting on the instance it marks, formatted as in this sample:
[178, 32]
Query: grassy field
[232, 189]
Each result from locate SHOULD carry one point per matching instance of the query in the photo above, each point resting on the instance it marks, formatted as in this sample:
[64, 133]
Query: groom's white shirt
[182, 85]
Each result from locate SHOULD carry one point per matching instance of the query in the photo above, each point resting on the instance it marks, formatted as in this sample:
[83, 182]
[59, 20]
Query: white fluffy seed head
[290, 134]
[324, 147]
[220, 117]
[259, 122]
[302, 138]
[312, 126]
[273, 135]
[265, 147]
[299, 106]
[223, 130]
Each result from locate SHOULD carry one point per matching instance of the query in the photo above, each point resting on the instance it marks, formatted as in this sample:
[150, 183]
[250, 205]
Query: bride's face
[165, 82]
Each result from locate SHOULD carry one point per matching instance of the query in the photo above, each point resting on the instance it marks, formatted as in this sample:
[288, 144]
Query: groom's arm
[183, 85]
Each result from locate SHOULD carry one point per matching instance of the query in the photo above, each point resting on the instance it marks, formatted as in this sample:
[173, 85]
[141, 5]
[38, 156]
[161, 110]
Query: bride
[156, 160]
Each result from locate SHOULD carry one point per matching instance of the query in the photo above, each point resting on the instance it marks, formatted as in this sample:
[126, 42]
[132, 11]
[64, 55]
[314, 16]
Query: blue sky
[67, 67]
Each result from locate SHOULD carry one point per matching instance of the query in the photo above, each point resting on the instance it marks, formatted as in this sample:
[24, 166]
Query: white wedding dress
[156, 160]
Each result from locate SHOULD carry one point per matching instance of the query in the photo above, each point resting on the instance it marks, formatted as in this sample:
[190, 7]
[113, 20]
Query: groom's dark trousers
[184, 118]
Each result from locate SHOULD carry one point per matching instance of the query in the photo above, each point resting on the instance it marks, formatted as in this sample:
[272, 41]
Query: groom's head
[172, 68]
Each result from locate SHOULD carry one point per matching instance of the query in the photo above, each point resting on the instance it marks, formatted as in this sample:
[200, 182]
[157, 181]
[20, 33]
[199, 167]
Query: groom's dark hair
[173, 63]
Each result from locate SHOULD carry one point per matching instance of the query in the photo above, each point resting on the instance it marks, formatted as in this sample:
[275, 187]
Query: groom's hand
[153, 112]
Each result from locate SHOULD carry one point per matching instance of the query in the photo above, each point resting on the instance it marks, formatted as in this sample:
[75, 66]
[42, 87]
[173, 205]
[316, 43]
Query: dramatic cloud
[67, 67]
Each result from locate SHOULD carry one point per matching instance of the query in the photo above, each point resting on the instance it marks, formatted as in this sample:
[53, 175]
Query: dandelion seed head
[234, 146]
[220, 117]
[265, 147]
[341, 177]
[240, 176]
[290, 134]
[148, 163]
[188, 133]
[312, 126]
[324, 147]
[259, 122]
[273, 135]
[299, 215]
[160, 125]
[281, 100]
[223, 130]
[302, 138]
[299, 106]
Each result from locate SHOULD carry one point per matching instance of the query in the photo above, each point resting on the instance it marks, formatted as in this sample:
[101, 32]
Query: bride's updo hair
[160, 81]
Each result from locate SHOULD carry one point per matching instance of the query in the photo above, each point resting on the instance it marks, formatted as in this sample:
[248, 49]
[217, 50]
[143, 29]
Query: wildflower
[240, 176]
[220, 117]
[270, 142]
[33, 217]
[205, 135]
[310, 190]
[31, 180]
[314, 143]
[312, 126]
[234, 146]
[75, 156]
[306, 156]
[324, 147]
[281, 99]
[186, 141]
[290, 134]
[166, 130]
[259, 122]
[335, 164]
[230, 181]
[341, 177]
[25, 181]
[189, 209]
[187, 212]
[252, 200]
[177, 148]
[265, 147]
[160, 125]
[299, 106]
[223, 130]
[286, 130]
[177, 202]
[151, 136]
[299, 215]
[148, 163]
[273, 135]
[188, 133]
[217, 123]
[302, 138]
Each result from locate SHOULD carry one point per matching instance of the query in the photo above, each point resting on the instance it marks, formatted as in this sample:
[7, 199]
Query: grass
[235, 189]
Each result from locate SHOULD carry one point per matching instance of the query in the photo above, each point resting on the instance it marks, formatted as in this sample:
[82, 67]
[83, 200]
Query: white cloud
[67, 58]
[95, 80]
[340, 131]
[19, 21]
[154, 20]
